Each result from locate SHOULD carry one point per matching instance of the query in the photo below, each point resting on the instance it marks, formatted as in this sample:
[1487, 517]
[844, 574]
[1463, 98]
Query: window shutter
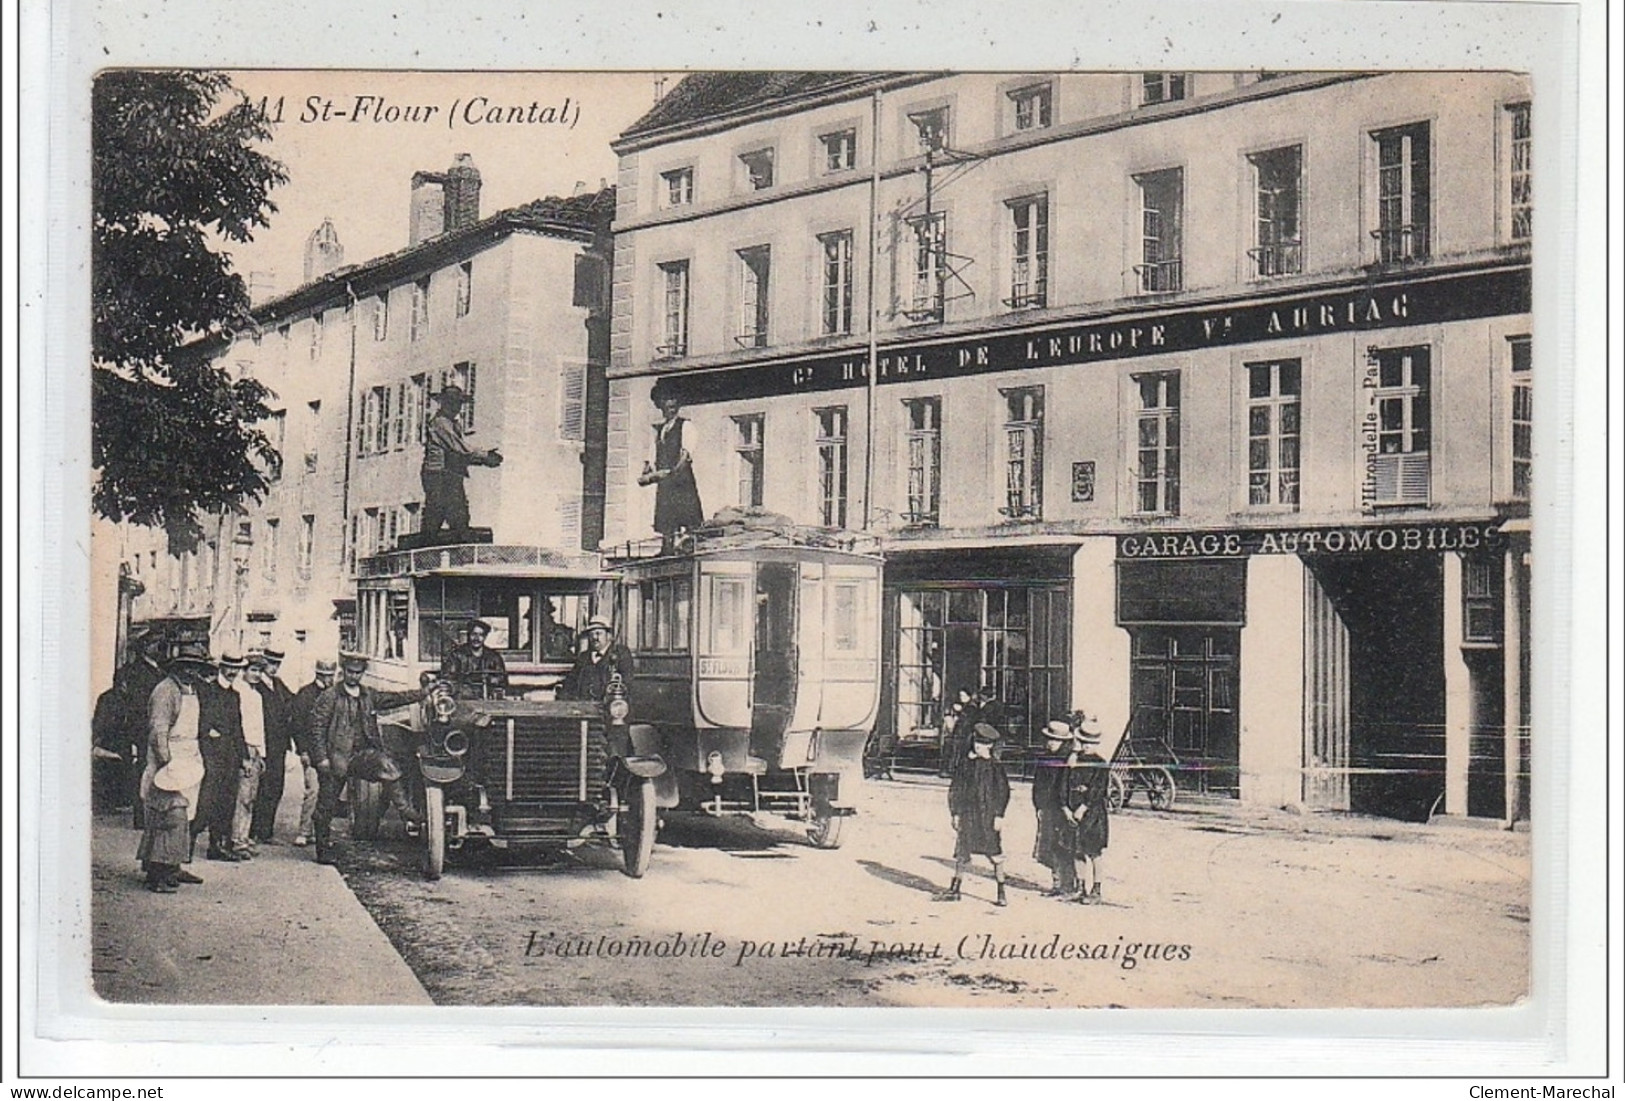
[573, 402]
[569, 520]
[468, 404]
[1401, 479]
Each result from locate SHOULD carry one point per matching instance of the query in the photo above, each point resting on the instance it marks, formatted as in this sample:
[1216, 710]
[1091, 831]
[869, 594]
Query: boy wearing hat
[1089, 781]
[1057, 834]
[475, 671]
[596, 666]
[173, 773]
[446, 459]
[978, 796]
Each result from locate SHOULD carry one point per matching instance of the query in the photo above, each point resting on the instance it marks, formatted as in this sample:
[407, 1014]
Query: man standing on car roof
[446, 459]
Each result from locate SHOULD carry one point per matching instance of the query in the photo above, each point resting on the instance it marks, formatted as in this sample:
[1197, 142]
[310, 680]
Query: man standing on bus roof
[446, 459]
[475, 671]
[677, 496]
[597, 665]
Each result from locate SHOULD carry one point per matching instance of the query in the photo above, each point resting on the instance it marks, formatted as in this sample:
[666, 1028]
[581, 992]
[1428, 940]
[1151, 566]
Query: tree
[176, 175]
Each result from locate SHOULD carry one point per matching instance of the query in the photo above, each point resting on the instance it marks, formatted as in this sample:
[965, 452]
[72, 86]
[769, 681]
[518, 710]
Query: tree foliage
[176, 177]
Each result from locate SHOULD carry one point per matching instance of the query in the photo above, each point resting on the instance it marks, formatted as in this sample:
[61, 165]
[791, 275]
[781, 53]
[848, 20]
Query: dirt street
[1203, 907]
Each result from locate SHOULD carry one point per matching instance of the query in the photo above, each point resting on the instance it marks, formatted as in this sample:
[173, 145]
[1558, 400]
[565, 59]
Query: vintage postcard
[814, 538]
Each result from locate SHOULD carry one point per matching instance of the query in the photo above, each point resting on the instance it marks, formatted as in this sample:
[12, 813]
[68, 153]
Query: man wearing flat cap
[299, 714]
[473, 669]
[596, 666]
[446, 459]
[344, 722]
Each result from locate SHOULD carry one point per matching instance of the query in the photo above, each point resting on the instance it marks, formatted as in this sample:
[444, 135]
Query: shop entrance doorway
[1184, 689]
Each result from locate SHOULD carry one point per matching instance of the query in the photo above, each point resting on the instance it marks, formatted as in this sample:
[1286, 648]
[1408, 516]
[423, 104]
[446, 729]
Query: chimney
[324, 253]
[444, 201]
[428, 207]
[462, 190]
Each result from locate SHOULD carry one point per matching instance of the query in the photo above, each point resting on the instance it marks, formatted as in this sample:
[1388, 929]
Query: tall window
[573, 402]
[420, 308]
[307, 544]
[377, 423]
[463, 376]
[380, 316]
[837, 283]
[1032, 106]
[1024, 453]
[313, 435]
[1161, 200]
[832, 465]
[1400, 470]
[1523, 425]
[924, 443]
[758, 167]
[276, 430]
[465, 287]
[364, 430]
[677, 186]
[1520, 150]
[755, 267]
[674, 295]
[354, 550]
[1161, 87]
[748, 449]
[315, 336]
[929, 277]
[270, 549]
[1404, 193]
[417, 408]
[931, 128]
[1156, 473]
[1029, 252]
[1278, 225]
[1273, 394]
[840, 150]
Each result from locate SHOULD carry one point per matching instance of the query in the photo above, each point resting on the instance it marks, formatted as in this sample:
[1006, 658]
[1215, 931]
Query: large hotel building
[1200, 401]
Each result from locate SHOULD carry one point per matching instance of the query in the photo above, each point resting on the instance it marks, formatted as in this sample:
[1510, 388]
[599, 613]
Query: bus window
[730, 622]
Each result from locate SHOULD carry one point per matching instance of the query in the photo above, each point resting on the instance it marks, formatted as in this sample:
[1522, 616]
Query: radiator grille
[546, 762]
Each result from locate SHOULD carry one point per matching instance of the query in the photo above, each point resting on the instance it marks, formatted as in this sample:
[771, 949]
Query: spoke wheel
[1160, 788]
[636, 831]
[824, 831]
[434, 829]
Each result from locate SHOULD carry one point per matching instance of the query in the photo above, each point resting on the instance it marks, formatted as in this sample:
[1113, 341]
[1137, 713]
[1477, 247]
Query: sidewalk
[278, 930]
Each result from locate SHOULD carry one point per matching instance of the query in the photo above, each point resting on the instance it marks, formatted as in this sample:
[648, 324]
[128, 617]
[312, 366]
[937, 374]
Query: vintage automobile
[758, 668]
[509, 773]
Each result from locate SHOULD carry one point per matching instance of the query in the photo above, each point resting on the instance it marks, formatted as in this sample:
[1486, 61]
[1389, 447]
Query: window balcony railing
[1281, 258]
[1400, 244]
[752, 338]
[676, 349]
[1160, 277]
[1027, 291]
[1022, 510]
[924, 307]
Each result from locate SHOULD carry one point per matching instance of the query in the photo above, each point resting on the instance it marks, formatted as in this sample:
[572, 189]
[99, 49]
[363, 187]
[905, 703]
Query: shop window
[924, 442]
[748, 454]
[1024, 453]
[1520, 165]
[674, 324]
[1404, 193]
[1161, 87]
[1278, 224]
[755, 271]
[1031, 107]
[832, 474]
[1273, 411]
[837, 283]
[1523, 425]
[1400, 469]
[465, 287]
[1481, 617]
[677, 187]
[758, 169]
[1029, 252]
[840, 150]
[1156, 470]
[1161, 231]
[928, 280]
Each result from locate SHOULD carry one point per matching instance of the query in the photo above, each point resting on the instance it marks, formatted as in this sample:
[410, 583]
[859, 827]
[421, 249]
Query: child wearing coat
[977, 798]
[1056, 835]
[1087, 789]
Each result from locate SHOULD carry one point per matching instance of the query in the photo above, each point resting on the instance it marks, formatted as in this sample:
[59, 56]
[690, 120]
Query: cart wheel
[1159, 788]
[637, 827]
[824, 831]
[434, 829]
[1116, 794]
[366, 808]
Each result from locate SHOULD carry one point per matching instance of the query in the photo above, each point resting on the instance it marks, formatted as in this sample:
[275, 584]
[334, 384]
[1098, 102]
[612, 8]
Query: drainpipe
[872, 378]
[349, 430]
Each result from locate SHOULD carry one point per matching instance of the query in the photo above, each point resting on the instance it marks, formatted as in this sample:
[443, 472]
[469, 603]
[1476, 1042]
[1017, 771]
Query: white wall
[1272, 682]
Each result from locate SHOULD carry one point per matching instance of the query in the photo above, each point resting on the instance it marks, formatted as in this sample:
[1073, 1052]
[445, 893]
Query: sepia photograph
[733, 538]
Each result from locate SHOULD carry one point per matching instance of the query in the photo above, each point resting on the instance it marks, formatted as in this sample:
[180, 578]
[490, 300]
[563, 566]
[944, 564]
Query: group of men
[199, 745]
